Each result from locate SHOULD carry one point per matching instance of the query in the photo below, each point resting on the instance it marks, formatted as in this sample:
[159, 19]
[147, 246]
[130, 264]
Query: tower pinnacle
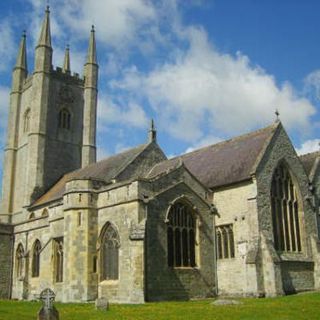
[92, 54]
[66, 63]
[22, 54]
[45, 35]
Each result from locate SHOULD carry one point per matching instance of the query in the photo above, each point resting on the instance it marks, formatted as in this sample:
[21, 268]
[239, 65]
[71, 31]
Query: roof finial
[277, 113]
[152, 132]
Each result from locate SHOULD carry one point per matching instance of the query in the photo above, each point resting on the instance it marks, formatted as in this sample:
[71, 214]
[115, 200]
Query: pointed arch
[20, 261]
[45, 213]
[36, 249]
[65, 119]
[181, 234]
[26, 120]
[109, 244]
[285, 210]
[32, 216]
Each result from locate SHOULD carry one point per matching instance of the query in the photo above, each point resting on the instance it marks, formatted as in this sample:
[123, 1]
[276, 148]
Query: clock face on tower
[66, 94]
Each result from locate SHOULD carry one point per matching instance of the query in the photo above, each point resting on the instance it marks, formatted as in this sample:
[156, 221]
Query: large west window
[110, 244]
[36, 258]
[285, 211]
[181, 236]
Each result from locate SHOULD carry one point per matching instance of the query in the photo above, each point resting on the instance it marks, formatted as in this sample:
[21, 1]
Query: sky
[204, 70]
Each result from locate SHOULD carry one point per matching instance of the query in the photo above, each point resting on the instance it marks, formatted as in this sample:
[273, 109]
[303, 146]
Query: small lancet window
[58, 257]
[26, 121]
[181, 236]
[19, 260]
[32, 216]
[64, 119]
[36, 259]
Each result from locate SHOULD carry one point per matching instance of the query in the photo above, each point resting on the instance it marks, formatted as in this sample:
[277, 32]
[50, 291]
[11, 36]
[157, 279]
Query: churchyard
[300, 306]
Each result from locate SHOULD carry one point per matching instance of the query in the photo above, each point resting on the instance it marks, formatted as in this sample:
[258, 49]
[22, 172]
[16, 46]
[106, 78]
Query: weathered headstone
[102, 304]
[48, 310]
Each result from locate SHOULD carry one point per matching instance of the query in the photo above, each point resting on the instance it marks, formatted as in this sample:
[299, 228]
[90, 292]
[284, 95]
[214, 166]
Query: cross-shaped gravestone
[48, 311]
[47, 296]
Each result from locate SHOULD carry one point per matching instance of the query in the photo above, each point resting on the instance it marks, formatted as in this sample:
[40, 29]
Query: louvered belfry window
[285, 212]
[181, 236]
[110, 254]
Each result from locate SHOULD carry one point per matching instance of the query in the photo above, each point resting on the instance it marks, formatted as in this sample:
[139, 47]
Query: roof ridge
[235, 138]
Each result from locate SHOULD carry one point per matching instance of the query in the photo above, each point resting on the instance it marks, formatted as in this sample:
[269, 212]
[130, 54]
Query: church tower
[51, 125]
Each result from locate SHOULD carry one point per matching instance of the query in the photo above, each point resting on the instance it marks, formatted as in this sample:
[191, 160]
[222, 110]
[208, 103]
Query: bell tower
[51, 124]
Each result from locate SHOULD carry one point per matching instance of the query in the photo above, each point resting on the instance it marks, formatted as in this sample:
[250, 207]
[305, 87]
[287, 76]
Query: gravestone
[48, 311]
[102, 304]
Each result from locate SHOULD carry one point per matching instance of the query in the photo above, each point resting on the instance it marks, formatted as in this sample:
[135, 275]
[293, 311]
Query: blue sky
[204, 70]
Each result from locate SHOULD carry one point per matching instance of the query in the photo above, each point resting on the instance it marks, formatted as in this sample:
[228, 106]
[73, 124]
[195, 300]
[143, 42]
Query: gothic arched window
[44, 213]
[19, 260]
[110, 244]
[285, 211]
[225, 241]
[26, 121]
[64, 119]
[181, 236]
[58, 258]
[36, 259]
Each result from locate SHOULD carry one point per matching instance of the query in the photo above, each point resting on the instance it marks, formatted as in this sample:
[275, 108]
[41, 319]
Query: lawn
[301, 306]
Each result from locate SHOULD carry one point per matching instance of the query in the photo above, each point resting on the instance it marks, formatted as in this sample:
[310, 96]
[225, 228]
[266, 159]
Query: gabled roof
[223, 163]
[104, 170]
[310, 162]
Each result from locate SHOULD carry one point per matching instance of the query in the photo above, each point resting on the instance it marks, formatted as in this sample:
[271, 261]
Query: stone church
[236, 218]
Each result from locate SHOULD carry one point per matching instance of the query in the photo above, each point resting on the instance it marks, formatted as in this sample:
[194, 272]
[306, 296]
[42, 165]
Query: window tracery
[181, 236]
[225, 241]
[110, 244]
[285, 212]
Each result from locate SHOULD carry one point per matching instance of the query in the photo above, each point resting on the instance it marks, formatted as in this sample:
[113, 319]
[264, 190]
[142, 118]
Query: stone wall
[6, 244]
[236, 206]
[291, 271]
[178, 283]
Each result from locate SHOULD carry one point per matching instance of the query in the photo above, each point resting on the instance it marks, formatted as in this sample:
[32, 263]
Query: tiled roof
[223, 163]
[308, 160]
[106, 170]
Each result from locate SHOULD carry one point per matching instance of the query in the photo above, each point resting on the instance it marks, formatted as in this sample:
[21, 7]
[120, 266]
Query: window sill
[184, 268]
[109, 282]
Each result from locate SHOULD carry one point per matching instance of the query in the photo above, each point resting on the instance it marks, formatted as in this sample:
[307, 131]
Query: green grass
[301, 306]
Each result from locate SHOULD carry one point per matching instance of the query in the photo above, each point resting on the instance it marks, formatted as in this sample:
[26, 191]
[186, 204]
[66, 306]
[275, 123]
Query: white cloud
[309, 146]
[312, 83]
[4, 106]
[117, 22]
[131, 115]
[7, 45]
[203, 88]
